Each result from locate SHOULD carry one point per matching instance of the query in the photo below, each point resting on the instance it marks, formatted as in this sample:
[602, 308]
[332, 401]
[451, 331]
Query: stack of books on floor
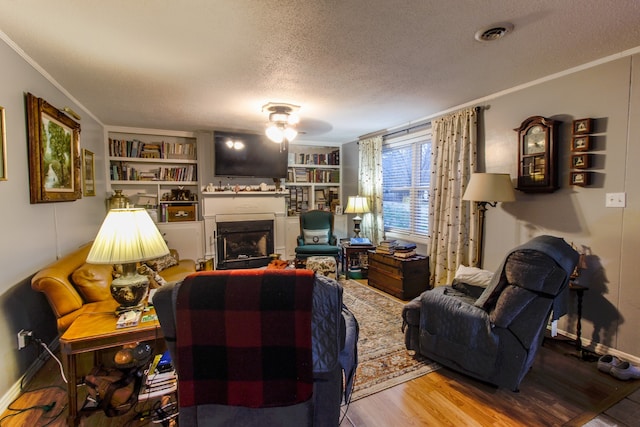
[160, 379]
[404, 250]
[386, 247]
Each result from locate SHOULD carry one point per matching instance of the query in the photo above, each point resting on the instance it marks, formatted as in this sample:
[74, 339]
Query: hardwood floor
[560, 390]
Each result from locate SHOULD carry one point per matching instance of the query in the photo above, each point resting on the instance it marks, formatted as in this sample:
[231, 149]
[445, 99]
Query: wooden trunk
[402, 278]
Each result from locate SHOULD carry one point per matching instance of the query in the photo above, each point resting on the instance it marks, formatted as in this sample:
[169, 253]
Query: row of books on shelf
[151, 150]
[121, 171]
[313, 175]
[329, 159]
[396, 248]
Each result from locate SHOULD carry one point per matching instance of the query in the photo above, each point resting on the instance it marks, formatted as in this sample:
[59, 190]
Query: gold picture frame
[54, 153]
[3, 147]
[88, 173]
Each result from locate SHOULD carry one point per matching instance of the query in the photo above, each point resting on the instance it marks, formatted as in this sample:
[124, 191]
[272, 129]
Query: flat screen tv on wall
[248, 155]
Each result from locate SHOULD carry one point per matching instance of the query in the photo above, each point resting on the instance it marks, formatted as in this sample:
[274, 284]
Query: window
[406, 176]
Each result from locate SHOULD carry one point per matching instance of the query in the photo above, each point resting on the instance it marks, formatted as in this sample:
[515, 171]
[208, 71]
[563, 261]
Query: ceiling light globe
[275, 134]
[290, 133]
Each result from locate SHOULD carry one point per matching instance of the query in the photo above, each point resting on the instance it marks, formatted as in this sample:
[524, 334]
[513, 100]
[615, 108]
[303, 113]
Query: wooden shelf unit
[313, 179]
[147, 164]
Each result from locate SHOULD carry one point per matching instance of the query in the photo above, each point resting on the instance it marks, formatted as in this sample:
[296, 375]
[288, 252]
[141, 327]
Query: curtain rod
[386, 135]
[407, 130]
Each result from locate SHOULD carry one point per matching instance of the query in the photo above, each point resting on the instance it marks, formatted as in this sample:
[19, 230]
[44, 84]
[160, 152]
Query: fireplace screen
[244, 244]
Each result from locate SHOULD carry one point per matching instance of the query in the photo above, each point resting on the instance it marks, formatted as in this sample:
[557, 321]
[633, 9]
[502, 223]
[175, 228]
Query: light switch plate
[616, 200]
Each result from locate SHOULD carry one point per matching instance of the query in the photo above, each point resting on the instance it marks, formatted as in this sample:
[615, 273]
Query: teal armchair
[316, 235]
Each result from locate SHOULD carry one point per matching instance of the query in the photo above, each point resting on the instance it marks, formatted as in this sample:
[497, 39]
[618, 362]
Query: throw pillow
[316, 237]
[162, 263]
[473, 276]
[155, 280]
[92, 281]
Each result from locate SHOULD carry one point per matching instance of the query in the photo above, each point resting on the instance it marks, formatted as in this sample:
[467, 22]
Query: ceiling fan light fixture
[293, 119]
[282, 121]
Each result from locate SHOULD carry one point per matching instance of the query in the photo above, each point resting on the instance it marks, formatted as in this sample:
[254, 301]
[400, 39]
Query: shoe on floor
[607, 362]
[625, 371]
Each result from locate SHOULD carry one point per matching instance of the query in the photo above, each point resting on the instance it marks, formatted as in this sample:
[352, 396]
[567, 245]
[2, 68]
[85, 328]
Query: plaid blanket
[244, 338]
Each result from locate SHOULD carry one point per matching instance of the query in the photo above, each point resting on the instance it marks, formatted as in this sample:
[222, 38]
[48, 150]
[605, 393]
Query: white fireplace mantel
[227, 206]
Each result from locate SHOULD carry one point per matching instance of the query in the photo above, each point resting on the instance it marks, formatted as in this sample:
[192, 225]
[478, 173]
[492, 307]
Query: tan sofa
[73, 287]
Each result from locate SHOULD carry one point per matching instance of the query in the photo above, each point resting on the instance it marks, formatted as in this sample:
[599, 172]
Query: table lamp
[357, 205]
[487, 189]
[126, 237]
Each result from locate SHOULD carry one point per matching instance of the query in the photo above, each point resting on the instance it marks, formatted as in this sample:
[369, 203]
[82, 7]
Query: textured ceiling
[355, 66]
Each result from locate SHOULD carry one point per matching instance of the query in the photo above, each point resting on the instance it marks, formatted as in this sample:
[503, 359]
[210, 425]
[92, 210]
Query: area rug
[383, 361]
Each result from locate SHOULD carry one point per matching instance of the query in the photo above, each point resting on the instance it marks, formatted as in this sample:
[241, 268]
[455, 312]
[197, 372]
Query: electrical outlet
[616, 200]
[24, 338]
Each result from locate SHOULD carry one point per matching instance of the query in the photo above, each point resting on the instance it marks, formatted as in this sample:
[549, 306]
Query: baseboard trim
[601, 348]
[15, 390]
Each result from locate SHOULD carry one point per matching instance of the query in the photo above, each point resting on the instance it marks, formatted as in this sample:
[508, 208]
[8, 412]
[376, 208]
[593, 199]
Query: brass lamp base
[130, 289]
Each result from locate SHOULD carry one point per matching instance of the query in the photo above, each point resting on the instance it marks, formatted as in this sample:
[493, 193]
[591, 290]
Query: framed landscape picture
[54, 153]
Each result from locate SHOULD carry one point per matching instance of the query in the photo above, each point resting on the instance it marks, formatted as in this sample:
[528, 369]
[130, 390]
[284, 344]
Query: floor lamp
[487, 189]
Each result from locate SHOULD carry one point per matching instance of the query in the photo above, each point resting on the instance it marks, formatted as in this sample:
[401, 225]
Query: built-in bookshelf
[155, 169]
[313, 178]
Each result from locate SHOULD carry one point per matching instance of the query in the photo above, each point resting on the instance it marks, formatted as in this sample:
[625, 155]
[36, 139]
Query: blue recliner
[494, 334]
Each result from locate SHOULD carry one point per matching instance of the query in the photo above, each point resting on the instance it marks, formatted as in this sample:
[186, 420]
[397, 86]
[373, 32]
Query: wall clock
[537, 155]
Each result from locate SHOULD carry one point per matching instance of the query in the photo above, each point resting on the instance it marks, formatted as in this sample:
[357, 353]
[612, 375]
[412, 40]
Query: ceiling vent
[494, 32]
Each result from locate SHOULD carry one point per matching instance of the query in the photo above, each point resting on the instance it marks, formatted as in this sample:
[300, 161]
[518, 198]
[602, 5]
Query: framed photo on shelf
[338, 210]
[88, 173]
[54, 153]
[582, 126]
[3, 147]
[579, 178]
[580, 161]
[580, 143]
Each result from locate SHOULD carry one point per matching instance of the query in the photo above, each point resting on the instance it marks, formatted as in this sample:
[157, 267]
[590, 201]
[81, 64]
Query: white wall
[35, 235]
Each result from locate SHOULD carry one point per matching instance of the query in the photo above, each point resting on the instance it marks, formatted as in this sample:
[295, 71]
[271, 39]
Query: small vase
[118, 200]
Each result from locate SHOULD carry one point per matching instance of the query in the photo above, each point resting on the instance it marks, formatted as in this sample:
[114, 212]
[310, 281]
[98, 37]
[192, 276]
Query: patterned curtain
[370, 186]
[452, 222]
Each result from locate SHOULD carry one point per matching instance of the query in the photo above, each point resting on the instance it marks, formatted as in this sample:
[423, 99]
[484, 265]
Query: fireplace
[244, 244]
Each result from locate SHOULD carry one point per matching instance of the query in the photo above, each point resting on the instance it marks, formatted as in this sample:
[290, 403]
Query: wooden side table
[97, 331]
[403, 278]
[349, 253]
